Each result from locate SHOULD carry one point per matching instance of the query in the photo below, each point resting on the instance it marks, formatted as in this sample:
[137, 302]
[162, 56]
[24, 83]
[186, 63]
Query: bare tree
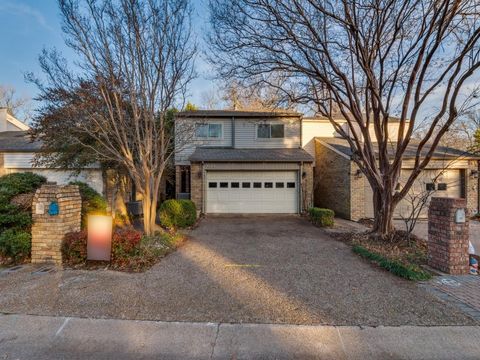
[371, 59]
[135, 57]
[18, 106]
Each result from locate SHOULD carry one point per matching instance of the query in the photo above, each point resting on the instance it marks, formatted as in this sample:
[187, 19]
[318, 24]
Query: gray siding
[246, 134]
[185, 141]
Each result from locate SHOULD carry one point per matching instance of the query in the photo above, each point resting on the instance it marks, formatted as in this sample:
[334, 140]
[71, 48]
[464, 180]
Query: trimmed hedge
[15, 244]
[92, 201]
[321, 217]
[178, 213]
[409, 272]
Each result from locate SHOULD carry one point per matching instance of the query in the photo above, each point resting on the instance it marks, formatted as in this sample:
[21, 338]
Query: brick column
[48, 230]
[447, 239]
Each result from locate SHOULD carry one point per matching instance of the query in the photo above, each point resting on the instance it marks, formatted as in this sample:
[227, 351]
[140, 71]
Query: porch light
[358, 173]
[99, 241]
[474, 174]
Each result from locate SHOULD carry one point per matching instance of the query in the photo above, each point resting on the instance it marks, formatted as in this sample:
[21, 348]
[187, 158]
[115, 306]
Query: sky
[28, 26]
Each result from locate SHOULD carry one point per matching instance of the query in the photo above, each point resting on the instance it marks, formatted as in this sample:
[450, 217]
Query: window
[291, 185]
[268, 185]
[430, 186]
[245, 185]
[235, 185]
[208, 131]
[279, 185]
[442, 187]
[270, 131]
[224, 185]
[212, 184]
[257, 185]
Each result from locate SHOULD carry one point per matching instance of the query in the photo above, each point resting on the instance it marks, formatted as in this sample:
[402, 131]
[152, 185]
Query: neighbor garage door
[251, 192]
[431, 182]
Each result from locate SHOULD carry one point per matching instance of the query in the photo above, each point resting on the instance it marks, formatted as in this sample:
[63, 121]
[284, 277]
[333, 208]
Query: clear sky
[27, 26]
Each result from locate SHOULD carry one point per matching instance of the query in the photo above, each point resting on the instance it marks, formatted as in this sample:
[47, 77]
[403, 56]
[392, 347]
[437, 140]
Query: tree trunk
[147, 210]
[383, 206]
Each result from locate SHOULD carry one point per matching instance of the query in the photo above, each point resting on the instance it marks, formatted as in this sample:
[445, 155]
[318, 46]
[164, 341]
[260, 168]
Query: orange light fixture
[99, 241]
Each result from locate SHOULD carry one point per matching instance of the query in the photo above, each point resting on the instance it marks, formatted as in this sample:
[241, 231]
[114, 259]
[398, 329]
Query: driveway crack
[215, 340]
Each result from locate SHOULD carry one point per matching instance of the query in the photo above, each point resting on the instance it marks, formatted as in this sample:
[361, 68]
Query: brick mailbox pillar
[56, 210]
[448, 235]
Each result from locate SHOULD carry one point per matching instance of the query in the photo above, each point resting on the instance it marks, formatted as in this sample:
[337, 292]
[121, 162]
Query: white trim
[328, 146]
[15, 122]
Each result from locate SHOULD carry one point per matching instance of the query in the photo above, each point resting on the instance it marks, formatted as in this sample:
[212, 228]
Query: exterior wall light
[474, 174]
[99, 241]
[358, 173]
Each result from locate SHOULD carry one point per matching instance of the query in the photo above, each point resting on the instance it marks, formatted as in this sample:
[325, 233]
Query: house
[243, 162]
[281, 162]
[341, 186]
[17, 153]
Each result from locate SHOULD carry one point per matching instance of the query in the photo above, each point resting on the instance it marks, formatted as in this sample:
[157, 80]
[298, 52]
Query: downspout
[204, 192]
[300, 188]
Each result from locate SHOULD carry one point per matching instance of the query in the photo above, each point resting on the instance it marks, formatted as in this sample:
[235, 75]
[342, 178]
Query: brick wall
[307, 187]
[332, 187]
[447, 240]
[358, 200]
[471, 186]
[2, 164]
[48, 230]
[196, 185]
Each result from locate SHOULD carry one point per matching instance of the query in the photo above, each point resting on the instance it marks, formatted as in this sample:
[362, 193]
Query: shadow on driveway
[238, 269]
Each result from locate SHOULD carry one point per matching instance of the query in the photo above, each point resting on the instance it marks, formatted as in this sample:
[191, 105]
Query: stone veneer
[48, 231]
[447, 240]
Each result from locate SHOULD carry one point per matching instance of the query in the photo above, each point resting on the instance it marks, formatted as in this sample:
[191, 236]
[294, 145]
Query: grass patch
[407, 271]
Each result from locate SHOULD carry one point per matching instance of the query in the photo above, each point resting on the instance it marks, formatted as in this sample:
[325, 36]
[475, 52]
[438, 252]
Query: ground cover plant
[92, 201]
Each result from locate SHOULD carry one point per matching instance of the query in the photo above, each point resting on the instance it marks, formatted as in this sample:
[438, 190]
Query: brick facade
[471, 186]
[196, 185]
[447, 240]
[307, 187]
[48, 230]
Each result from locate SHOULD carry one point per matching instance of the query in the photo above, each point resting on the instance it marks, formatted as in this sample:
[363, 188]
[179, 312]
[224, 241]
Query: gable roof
[250, 155]
[18, 141]
[441, 152]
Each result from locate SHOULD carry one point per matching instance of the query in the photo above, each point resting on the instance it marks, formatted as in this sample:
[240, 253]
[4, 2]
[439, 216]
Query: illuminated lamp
[99, 241]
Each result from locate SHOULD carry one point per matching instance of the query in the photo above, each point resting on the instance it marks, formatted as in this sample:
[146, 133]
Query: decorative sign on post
[99, 242]
[53, 208]
[460, 216]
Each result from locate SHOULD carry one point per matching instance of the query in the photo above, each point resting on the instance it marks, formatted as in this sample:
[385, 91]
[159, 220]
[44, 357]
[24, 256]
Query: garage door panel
[250, 199]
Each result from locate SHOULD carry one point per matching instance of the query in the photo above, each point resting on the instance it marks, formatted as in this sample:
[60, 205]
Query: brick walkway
[461, 290]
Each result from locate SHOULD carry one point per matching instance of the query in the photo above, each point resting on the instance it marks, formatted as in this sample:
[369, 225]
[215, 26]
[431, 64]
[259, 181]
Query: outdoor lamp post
[99, 241]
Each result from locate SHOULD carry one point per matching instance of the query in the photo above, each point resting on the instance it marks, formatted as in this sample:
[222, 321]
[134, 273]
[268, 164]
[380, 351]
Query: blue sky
[27, 26]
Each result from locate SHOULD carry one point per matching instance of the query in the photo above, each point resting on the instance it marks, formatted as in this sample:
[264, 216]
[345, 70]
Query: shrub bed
[178, 214]
[92, 201]
[321, 217]
[131, 251]
[16, 192]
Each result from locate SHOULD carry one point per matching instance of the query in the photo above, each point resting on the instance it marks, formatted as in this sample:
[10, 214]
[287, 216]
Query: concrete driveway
[240, 270]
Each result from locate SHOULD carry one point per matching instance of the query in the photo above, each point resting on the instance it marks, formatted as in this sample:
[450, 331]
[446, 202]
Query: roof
[441, 152]
[250, 155]
[340, 117]
[234, 113]
[18, 141]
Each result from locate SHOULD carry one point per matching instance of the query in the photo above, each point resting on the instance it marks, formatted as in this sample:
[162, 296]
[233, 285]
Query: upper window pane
[277, 131]
[268, 185]
[224, 184]
[212, 184]
[215, 130]
[263, 131]
[235, 185]
[257, 185]
[201, 130]
[442, 187]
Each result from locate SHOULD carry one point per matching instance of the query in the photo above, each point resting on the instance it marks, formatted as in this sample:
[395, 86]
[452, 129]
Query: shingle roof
[441, 152]
[18, 141]
[249, 155]
[234, 113]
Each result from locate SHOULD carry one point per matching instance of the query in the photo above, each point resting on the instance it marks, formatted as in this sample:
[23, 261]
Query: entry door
[254, 192]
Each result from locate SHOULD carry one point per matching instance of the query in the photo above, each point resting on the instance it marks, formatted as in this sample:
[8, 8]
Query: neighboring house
[17, 153]
[243, 162]
[341, 186]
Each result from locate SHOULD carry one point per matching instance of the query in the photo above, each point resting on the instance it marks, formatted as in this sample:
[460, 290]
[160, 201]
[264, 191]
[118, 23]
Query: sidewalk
[43, 337]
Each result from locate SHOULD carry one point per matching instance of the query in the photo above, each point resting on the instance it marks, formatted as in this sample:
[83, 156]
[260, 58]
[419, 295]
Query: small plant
[125, 244]
[410, 272]
[178, 213]
[19, 183]
[321, 217]
[92, 201]
[74, 247]
[15, 244]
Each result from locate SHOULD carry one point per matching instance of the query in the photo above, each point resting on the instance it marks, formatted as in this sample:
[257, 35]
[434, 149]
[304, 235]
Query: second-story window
[270, 131]
[208, 131]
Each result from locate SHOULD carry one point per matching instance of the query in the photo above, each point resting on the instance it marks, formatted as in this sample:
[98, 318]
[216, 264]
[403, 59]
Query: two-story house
[243, 162]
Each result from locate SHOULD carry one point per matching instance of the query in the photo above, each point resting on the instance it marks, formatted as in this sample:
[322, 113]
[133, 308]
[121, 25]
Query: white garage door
[432, 182]
[252, 192]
